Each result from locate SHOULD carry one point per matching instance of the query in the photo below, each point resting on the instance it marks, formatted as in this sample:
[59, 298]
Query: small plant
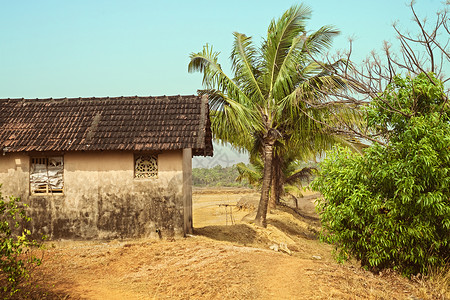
[16, 245]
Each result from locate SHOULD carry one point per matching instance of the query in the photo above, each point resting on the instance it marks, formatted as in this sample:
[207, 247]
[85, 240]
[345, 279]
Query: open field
[220, 261]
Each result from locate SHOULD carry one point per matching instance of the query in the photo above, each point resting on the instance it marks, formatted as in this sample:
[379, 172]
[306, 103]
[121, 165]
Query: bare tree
[426, 51]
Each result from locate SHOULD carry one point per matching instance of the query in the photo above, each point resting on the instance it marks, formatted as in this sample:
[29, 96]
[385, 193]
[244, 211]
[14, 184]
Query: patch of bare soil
[222, 260]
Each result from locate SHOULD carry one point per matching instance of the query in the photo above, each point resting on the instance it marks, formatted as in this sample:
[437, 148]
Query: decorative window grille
[146, 166]
[46, 175]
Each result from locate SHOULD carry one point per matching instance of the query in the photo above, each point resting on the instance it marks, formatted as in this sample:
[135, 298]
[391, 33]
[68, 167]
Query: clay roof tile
[109, 123]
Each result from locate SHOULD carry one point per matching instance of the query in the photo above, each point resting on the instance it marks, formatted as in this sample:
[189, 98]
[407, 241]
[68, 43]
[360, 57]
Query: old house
[104, 167]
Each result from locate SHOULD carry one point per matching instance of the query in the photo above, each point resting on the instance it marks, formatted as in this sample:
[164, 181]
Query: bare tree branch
[424, 53]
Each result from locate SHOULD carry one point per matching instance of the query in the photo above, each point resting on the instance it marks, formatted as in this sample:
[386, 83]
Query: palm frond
[287, 77]
[300, 175]
[254, 177]
[294, 68]
[214, 77]
[280, 36]
[245, 66]
[257, 145]
[320, 40]
[240, 120]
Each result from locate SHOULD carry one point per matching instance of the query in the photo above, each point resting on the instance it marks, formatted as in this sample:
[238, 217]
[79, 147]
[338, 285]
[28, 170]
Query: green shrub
[390, 208]
[16, 257]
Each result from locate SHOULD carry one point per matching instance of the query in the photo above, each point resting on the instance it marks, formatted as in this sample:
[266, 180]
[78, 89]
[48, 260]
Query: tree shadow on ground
[304, 207]
[240, 233]
[293, 230]
[309, 230]
[311, 218]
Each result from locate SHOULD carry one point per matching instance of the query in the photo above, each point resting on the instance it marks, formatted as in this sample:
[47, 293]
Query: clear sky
[121, 48]
[102, 48]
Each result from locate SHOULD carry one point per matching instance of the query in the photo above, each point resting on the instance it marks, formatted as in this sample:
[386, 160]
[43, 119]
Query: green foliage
[16, 244]
[217, 176]
[390, 208]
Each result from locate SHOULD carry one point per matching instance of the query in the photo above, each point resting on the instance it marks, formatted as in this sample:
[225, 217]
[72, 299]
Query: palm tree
[289, 173]
[264, 103]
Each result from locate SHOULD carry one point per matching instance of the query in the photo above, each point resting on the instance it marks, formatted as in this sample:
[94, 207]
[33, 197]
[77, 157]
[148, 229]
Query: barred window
[46, 175]
[146, 166]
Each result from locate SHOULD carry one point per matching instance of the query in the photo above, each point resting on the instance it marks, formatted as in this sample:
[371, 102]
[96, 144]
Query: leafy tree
[390, 208]
[261, 106]
[16, 258]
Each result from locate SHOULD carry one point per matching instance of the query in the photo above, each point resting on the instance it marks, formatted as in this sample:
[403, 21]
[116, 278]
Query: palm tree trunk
[273, 187]
[260, 219]
[279, 181]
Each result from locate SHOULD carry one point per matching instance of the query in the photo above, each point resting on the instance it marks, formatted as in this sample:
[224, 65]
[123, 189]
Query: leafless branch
[427, 52]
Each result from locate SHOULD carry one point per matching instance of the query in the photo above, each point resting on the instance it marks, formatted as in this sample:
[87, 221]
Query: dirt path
[199, 268]
[218, 262]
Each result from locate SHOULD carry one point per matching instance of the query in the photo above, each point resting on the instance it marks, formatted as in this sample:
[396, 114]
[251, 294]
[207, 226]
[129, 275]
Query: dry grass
[223, 262]
[435, 286]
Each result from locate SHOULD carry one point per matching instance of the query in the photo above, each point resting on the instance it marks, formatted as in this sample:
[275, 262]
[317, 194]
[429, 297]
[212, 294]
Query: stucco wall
[102, 199]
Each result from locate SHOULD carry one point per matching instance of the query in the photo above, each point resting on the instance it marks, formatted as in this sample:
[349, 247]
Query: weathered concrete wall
[102, 199]
[14, 174]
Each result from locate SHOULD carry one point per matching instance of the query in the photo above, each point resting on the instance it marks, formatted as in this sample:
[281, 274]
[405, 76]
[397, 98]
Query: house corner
[187, 191]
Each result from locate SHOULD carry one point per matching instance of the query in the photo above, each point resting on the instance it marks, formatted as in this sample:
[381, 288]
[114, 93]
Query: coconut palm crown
[264, 102]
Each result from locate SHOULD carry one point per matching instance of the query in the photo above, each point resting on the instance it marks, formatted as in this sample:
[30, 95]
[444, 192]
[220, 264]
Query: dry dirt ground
[226, 258]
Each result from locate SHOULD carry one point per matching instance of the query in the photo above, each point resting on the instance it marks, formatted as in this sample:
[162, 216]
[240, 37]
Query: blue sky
[121, 48]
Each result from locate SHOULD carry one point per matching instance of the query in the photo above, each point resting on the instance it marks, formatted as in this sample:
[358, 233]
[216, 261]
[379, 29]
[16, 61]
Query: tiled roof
[93, 124]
